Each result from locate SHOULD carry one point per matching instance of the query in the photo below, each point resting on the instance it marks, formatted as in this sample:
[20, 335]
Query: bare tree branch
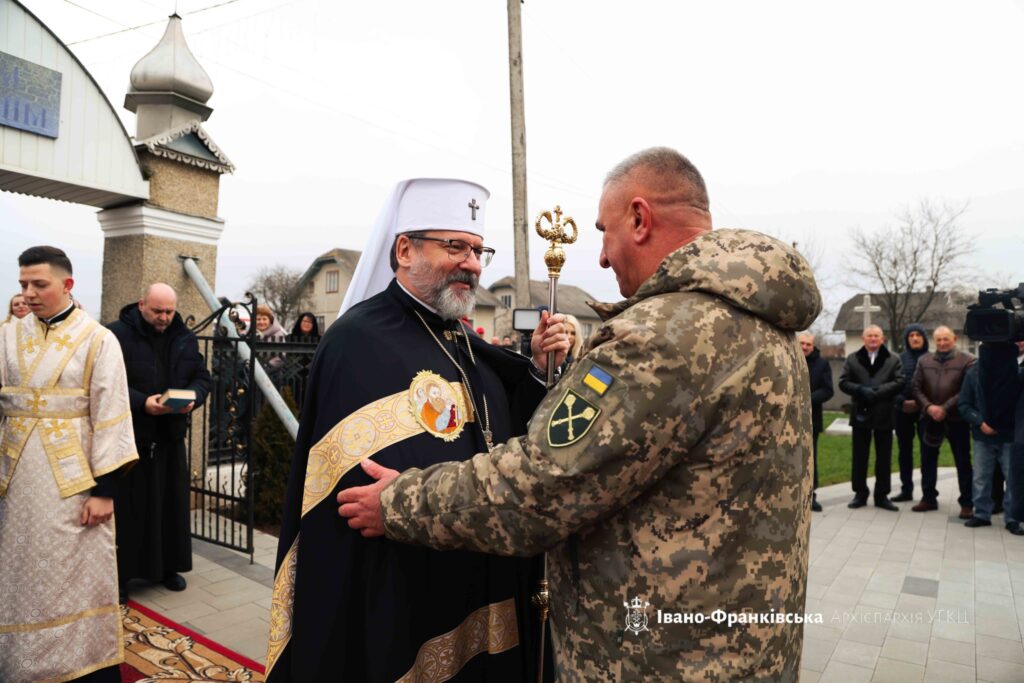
[909, 262]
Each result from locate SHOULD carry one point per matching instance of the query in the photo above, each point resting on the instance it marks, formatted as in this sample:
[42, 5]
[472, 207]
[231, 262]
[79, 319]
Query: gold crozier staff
[554, 259]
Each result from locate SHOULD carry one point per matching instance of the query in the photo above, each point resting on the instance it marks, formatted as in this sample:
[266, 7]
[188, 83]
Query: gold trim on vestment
[19, 347]
[63, 448]
[363, 433]
[106, 424]
[129, 460]
[360, 435]
[90, 325]
[90, 362]
[492, 628]
[59, 621]
[49, 391]
[49, 415]
[282, 606]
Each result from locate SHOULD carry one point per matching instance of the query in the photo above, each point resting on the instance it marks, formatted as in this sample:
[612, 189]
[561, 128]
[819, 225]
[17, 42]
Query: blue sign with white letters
[29, 96]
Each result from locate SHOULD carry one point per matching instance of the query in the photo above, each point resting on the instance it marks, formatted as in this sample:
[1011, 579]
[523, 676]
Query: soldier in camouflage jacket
[670, 466]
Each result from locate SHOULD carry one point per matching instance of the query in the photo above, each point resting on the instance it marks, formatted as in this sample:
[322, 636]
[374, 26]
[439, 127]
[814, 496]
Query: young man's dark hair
[33, 256]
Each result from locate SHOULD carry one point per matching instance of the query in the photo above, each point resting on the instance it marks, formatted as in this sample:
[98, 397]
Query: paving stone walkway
[227, 598]
[908, 596]
[904, 596]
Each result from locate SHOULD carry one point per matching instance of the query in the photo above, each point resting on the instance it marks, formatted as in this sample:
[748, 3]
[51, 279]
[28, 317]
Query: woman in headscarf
[268, 329]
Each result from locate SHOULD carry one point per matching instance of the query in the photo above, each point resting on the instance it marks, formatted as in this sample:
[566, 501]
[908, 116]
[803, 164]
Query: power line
[95, 13]
[135, 28]
[552, 184]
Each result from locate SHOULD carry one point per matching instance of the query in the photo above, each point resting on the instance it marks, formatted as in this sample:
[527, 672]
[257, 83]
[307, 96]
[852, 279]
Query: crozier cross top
[867, 309]
[473, 206]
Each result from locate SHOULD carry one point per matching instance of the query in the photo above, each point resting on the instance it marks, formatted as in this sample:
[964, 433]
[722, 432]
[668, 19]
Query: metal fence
[225, 467]
[220, 441]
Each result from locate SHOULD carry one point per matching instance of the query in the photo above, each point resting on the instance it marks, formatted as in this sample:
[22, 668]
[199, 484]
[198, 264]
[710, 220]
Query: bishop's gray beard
[449, 303]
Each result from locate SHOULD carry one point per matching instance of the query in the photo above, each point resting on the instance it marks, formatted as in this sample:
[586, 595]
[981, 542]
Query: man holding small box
[160, 354]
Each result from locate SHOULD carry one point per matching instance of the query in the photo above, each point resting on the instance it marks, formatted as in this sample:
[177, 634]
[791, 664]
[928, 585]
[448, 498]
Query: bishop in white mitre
[65, 432]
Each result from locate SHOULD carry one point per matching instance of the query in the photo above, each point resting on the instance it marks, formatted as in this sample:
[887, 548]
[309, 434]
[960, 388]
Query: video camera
[986, 323]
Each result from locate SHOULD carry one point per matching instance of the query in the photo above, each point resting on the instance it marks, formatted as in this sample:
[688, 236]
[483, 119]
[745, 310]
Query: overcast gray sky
[806, 118]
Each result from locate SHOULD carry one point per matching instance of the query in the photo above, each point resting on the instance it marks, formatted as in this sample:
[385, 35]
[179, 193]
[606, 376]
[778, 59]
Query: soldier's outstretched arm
[623, 417]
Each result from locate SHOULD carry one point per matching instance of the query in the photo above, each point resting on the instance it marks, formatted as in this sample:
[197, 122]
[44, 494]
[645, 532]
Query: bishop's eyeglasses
[458, 250]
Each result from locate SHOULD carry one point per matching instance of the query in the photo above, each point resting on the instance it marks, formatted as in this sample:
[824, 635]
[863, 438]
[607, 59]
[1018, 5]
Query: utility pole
[515, 83]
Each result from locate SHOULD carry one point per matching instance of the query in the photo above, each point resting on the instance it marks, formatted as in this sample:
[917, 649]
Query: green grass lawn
[835, 455]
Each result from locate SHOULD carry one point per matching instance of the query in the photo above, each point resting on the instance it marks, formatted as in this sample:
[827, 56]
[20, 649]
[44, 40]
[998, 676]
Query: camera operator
[1001, 376]
[1001, 373]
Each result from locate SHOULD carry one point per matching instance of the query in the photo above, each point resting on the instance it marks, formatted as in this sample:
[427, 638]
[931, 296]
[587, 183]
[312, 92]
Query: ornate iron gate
[220, 436]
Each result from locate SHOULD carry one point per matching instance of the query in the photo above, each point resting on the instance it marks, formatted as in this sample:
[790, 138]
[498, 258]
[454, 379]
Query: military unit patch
[598, 380]
[571, 420]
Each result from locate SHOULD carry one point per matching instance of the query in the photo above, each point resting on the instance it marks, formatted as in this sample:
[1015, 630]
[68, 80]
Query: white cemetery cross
[867, 309]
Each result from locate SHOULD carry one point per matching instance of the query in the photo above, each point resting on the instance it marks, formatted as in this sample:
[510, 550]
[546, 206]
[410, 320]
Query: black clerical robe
[347, 608]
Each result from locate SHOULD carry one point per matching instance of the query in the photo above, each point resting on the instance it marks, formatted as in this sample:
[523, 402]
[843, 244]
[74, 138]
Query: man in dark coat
[936, 387]
[821, 391]
[872, 377]
[151, 505]
[908, 411]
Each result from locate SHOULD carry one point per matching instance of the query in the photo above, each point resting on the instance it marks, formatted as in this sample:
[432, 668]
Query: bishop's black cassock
[372, 610]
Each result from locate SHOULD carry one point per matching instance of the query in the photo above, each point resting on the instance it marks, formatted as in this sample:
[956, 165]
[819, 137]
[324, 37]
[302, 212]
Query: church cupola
[168, 87]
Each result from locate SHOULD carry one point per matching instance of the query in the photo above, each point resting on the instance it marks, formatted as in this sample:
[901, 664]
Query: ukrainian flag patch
[598, 380]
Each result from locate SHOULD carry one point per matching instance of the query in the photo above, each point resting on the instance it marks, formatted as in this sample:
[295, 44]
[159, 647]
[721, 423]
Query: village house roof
[946, 309]
[571, 299]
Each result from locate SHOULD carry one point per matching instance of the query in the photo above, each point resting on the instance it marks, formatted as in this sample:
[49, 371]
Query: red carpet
[159, 650]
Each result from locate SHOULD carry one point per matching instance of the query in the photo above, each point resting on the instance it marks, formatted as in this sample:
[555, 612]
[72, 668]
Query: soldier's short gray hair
[669, 165]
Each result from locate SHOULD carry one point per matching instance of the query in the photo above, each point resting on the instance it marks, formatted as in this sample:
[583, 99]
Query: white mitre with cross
[416, 204]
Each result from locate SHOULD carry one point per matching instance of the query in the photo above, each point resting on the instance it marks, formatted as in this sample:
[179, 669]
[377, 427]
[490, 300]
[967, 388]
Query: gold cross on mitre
[37, 401]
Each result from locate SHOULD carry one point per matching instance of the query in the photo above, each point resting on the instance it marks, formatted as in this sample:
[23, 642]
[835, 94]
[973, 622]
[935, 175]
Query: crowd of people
[930, 396]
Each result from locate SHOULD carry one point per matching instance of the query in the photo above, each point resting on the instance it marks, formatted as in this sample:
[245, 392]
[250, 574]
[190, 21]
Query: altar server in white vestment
[65, 432]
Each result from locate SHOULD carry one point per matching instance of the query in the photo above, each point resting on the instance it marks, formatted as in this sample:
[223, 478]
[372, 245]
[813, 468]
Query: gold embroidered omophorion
[491, 629]
[359, 436]
[63, 392]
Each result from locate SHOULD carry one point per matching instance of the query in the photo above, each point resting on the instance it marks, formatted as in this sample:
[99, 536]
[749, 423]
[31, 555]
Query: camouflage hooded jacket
[667, 475]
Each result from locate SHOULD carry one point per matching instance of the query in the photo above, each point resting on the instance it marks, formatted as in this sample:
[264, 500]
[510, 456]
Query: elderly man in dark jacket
[821, 390]
[872, 377]
[937, 382]
[151, 505]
